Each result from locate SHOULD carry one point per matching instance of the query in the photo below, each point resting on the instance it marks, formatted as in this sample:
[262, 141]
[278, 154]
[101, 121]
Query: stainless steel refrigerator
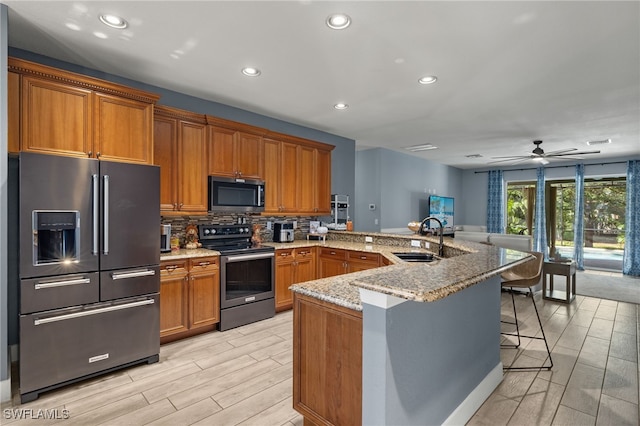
[89, 250]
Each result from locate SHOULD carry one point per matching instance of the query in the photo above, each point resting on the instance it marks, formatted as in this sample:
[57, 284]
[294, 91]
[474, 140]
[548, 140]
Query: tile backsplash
[179, 223]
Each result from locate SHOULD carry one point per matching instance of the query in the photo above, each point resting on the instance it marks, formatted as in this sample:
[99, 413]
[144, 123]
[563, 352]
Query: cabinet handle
[333, 253]
[98, 154]
[181, 204]
[89, 154]
[204, 263]
[171, 268]
[284, 254]
[363, 257]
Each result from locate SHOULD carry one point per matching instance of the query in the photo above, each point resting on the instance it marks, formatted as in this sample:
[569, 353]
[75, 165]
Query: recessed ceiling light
[602, 142]
[100, 35]
[113, 21]
[341, 105]
[338, 21]
[73, 26]
[251, 72]
[423, 147]
[428, 79]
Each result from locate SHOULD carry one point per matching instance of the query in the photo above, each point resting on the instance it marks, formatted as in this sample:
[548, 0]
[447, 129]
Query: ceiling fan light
[541, 160]
[601, 142]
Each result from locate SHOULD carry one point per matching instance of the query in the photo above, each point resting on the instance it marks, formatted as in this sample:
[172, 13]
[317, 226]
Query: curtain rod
[557, 167]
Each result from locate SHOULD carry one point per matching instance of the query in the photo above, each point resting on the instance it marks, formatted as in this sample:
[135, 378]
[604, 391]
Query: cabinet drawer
[364, 257]
[335, 253]
[285, 255]
[175, 267]
[202, 264]
[304, 252]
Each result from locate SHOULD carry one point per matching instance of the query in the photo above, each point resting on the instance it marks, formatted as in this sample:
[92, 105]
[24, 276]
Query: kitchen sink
[416, 257]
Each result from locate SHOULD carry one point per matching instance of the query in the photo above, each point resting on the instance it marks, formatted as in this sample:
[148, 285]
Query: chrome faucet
[422, 231]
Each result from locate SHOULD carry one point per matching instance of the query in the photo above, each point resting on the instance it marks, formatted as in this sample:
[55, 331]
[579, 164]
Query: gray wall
[421, 360]
[400, 185]
[474, 183]
[5, 366]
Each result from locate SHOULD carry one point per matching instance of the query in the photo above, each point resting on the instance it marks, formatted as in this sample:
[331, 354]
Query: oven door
[246, 278]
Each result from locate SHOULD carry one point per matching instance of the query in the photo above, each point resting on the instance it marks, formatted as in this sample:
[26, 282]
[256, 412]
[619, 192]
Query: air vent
[602, 142]
[424, 147]
[473, 156]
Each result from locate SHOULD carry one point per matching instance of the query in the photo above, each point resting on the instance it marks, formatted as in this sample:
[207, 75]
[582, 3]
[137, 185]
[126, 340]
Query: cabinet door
[192, 167]
[56, 118]
[284, 278]
[306, 180]
[174, 302]
[323, 182]
[13, 111]
[331, 262]
[272, 176]
[204, 299]
[305, 266]
[123, 129]
[249, 155]
[289, 183]
[165, 146]
[221, 151]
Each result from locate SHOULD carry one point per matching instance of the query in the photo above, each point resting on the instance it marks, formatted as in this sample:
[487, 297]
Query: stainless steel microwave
[235, 195]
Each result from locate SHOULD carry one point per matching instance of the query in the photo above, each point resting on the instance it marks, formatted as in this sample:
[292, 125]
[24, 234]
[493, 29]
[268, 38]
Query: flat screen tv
[442, 208]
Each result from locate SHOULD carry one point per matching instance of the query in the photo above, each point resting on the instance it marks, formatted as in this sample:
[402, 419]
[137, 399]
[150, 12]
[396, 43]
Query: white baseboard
[463, 413]
[5, 389]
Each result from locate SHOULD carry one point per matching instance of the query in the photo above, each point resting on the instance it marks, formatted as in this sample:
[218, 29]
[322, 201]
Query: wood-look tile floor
[244, 376]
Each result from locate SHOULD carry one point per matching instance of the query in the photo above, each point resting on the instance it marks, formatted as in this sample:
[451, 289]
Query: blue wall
[400, 185]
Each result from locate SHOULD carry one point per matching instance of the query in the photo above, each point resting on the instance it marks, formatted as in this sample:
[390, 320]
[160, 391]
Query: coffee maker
[165, 238]
[282, 232]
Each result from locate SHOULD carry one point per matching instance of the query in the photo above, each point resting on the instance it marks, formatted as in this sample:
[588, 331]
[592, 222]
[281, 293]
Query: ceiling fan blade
[576, 153]
[512, 160]
[517, 156]
[560, 151]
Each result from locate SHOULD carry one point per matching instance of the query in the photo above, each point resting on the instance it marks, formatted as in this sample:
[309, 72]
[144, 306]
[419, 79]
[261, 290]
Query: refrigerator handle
[96, 219]
[105, 236]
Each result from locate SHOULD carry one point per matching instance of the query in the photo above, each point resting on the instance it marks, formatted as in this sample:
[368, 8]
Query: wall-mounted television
[442, 208]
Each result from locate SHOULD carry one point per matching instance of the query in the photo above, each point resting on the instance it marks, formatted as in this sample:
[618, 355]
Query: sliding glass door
[604, 207]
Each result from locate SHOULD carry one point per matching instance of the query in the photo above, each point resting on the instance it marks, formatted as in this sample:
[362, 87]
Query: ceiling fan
[539, 155]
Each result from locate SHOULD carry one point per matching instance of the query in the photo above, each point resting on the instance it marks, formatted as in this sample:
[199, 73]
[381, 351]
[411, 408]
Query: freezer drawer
[129, 282]
[67, 344]
[46, 293]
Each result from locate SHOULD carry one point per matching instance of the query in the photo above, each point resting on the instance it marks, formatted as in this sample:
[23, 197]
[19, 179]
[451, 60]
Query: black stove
[229, 239]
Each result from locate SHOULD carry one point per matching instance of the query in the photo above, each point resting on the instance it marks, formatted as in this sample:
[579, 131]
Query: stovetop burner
[228, 239]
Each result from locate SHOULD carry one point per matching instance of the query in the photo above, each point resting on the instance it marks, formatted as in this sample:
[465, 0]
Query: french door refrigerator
[89, 250]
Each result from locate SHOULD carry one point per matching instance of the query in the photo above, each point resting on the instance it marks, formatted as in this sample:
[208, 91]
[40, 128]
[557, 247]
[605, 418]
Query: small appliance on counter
[282, 232]
[165, 238]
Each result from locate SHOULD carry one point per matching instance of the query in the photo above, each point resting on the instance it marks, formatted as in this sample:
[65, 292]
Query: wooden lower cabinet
[189, 297]
[327, 362]
[292, 266]
[333, 262]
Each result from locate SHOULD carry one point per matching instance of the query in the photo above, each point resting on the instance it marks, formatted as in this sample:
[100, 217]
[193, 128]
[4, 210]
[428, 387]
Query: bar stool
[525, 276]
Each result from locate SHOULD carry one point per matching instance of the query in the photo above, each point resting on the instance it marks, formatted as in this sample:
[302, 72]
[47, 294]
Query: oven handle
[93, 312]
[255, 256]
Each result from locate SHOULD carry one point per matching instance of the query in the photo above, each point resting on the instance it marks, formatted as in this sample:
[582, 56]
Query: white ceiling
[508, 72]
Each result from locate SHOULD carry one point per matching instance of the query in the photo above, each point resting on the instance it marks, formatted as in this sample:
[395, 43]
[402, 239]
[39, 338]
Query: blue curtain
[578, 220]
[495, 204]
[631, 258]
[540, 228]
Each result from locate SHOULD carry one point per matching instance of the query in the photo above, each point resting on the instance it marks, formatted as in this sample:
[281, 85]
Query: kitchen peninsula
[403, 344]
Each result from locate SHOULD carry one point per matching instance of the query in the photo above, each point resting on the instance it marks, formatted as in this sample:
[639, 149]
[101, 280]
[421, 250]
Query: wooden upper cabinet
[306, 179]
[13, 111]
[249, 155]
[221, 151]
[323, 182]
[123, 129]
[180, 149]
[71, 114]
[56, 118]
[271, 176]
[236, 149]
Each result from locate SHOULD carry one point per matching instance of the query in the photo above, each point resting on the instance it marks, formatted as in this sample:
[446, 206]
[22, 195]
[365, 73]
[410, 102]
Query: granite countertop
[421, 282]
[187, 254]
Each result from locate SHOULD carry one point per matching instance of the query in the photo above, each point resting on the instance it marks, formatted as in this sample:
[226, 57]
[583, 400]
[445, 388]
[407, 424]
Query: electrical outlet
[415, 243]
[426, 244]
[295, 224]
[368, 239]
[269, 225]
[375, 222]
